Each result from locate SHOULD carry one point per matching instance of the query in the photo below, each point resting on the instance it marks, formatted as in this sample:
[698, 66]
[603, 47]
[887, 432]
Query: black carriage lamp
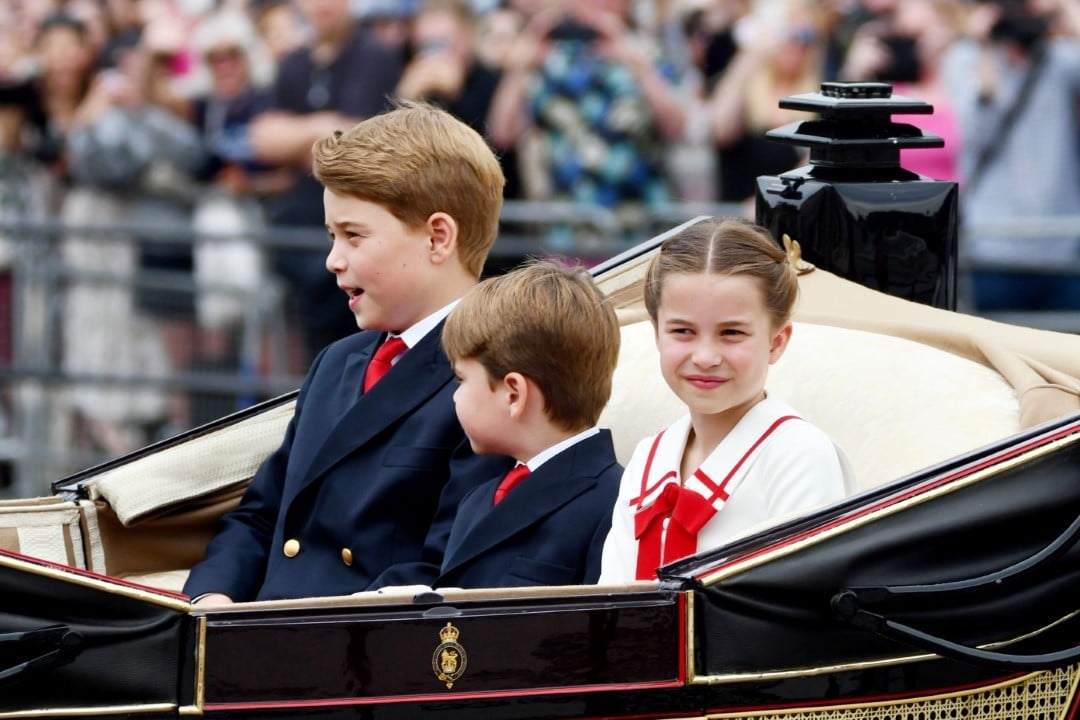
[853, 209]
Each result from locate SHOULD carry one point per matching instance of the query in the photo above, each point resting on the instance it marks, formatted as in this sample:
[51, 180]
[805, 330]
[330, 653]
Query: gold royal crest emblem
[449, 659]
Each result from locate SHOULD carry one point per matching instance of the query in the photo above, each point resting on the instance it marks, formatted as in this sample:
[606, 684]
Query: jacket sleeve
[467, 470]
[236, 558]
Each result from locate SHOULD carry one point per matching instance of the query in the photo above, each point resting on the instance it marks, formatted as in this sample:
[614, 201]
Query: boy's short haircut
[552, 324]
[416, 160]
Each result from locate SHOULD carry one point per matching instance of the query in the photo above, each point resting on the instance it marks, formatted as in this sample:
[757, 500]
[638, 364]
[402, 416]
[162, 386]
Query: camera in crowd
[1019, 24]
[570, 30]
[904, 63]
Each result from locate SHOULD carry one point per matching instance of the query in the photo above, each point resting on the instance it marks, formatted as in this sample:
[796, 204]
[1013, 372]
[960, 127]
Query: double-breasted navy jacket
[363, 489]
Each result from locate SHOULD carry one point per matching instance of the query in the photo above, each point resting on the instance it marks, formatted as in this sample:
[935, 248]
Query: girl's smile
[706, 382]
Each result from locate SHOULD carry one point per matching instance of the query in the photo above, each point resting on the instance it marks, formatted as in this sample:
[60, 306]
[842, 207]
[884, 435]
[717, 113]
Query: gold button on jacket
[346, 556]
[292, 547]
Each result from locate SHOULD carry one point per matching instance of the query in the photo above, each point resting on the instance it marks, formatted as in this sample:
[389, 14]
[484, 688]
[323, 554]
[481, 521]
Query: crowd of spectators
[199, 115]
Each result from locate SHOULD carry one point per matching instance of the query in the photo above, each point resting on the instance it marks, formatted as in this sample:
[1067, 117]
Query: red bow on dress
[688, 513]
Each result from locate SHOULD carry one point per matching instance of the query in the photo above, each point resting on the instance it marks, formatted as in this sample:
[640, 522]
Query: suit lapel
[553, 485]
[352, 379]
[421, 372]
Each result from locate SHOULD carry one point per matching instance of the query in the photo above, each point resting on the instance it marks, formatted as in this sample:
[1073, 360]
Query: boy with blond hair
[534, 352]
[362, 492]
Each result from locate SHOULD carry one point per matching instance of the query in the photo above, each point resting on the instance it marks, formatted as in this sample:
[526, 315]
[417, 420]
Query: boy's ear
[442, 230]
[779, 342]
[517, 393]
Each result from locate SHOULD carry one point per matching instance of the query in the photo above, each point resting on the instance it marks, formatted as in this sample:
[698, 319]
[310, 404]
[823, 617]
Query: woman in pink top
[927, 27]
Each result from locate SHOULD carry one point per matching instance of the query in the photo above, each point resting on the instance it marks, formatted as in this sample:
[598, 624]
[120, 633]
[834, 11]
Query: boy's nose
[334, 262]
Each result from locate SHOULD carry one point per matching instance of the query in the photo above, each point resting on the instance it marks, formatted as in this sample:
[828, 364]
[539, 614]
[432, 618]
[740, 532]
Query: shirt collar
[544, 455]
[417, 331]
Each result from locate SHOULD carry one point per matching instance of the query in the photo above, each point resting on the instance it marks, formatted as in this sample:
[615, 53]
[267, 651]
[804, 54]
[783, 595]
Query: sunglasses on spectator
[223, 55]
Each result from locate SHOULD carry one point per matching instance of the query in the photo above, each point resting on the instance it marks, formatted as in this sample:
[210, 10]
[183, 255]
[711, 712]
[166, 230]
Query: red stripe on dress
[645, 490]
[720, 491]
[687, 510]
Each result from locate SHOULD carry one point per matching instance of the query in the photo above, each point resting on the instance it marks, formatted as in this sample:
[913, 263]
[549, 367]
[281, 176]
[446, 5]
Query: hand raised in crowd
[868, 55]
[761, 38]
[980, 19]
[614, 39]
[432, 73]
[110, 87]
[528, 52]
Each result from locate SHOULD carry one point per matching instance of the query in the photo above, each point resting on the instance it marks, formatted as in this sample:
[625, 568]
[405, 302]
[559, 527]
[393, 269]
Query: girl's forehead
[706, 279]
[702, 289]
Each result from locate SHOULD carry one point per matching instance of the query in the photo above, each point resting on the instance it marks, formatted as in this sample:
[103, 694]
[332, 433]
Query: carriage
[948, 586]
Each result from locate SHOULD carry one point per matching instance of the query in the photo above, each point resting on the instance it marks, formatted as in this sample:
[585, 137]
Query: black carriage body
[584, 656]
[75, 644]
[764, 627]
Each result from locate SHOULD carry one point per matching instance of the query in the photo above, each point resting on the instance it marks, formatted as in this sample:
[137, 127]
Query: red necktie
[516, 475]
[383, 360]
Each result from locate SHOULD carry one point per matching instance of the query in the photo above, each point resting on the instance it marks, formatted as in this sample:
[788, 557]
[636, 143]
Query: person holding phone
[603, 103]
[779, 52]
[1014, 79]
[445, 69]
[342, 75]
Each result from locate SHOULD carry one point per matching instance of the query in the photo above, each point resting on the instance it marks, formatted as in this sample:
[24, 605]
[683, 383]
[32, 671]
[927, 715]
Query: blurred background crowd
[187, 124]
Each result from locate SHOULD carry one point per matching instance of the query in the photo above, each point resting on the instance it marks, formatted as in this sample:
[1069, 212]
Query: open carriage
[948, 587]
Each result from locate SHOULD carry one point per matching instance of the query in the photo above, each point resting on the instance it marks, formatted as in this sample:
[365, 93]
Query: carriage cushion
[49, 528]
[207, 464]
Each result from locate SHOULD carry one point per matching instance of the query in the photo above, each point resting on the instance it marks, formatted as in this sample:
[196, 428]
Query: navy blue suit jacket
[548, 530]
[365, 484]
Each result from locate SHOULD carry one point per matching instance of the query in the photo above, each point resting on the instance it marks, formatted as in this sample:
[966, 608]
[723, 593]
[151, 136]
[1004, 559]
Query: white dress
[771, 465]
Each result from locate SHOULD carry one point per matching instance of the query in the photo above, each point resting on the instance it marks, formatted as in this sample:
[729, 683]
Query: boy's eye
[348, 236]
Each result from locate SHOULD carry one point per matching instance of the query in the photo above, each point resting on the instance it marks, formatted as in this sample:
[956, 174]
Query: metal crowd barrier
[47, 388]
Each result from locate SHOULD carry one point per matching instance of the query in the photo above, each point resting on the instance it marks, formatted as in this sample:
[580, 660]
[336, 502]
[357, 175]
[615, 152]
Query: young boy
[534, 352]
[362, 491]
